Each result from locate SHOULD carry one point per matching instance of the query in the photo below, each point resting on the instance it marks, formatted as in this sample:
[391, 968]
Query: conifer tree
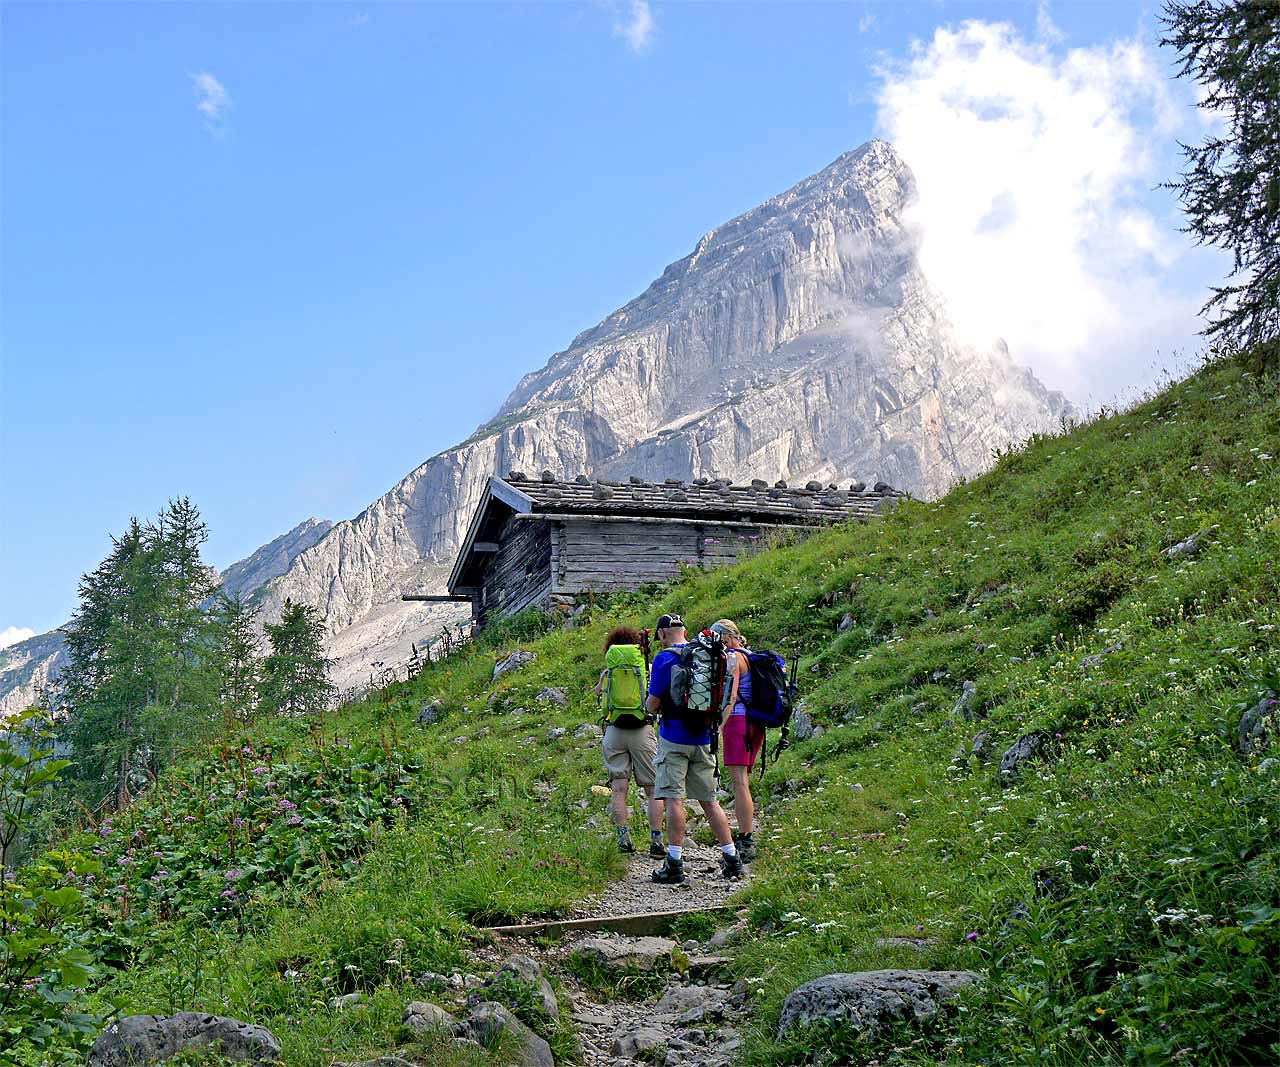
[185, 585]
[141, 676]
[1231, 190]
[113, 650]
[295, 674]
[236, 654]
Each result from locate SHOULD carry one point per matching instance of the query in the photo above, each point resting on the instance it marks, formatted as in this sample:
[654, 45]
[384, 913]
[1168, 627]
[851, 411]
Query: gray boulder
[1259, 726]
[139, 1039]
[517, 659]
[429, 713]
[589, 731]
[1184, 549]
[550, 694]
[637, 1044]
[489, 1022]
[692, 1004]
[426, 1018]
[845, 625]
[632, 954]
[1017, 755]
[349, 1000]
[802, 725]
[554, 733]
[966, 705]
[1095, 660]
[526, 972]
[867, 1000]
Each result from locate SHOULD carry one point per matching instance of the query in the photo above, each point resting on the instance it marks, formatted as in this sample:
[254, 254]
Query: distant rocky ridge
[799, 340]
[273, 558]
[27, 666]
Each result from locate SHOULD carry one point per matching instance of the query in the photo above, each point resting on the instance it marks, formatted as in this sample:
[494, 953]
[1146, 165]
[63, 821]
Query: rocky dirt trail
[636, 893]
[650, 998]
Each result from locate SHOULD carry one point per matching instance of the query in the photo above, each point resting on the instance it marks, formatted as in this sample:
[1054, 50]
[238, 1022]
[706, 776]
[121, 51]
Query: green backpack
[625, 687]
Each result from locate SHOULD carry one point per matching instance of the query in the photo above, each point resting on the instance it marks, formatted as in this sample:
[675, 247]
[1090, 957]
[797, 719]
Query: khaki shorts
[685, 770]
[628, 752]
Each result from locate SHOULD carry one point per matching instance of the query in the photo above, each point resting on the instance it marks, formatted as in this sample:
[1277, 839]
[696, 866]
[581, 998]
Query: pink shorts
[742, 741]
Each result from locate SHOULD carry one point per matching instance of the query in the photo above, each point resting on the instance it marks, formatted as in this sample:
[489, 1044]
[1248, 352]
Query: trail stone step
[640, 924]
[705, 966]
[629, 954]
[636, 1043]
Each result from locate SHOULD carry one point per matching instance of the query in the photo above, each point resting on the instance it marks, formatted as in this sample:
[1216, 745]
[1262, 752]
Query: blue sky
[274, 255]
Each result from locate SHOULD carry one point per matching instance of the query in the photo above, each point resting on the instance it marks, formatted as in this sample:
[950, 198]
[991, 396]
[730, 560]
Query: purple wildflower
[971, 936]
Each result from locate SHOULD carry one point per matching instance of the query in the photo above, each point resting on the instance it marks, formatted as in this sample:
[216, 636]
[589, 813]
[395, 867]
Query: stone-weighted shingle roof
[757, 501]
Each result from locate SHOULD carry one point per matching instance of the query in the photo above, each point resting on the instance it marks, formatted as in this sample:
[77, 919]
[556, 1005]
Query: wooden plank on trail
[640, 924]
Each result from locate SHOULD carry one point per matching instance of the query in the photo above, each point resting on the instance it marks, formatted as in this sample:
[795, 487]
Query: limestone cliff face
[25, 668]
[798, 340]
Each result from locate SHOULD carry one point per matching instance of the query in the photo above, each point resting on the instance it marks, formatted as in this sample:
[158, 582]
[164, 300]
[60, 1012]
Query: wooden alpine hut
[549, 542]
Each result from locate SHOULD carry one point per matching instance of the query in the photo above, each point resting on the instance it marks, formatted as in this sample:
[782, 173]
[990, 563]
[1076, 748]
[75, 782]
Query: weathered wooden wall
[555, 560]
[520, 574]
[589, 554]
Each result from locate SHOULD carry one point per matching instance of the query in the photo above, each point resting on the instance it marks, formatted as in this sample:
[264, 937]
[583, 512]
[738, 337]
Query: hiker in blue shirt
[685, 765]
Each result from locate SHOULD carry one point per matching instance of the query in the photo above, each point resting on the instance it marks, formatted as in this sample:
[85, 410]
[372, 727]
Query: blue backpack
[770, 703]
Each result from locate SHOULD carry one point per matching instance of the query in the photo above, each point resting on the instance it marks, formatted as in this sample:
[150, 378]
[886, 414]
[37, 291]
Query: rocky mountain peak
[798, 340]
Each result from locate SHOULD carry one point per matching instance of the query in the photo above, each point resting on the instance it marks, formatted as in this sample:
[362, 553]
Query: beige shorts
[628, 752]
[685, 771]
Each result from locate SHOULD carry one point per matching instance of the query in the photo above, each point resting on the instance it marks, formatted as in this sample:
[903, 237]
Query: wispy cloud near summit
[1035, 166]
[212, 99]
[11, 635]
[637, 27]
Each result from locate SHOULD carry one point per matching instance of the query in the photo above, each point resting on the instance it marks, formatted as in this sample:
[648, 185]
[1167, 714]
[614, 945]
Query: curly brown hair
[622, 635]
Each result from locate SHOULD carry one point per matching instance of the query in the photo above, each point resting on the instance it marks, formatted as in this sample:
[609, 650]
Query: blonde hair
[728, 626]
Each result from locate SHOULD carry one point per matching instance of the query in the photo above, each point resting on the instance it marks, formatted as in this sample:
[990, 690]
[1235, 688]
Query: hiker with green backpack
[629, 746]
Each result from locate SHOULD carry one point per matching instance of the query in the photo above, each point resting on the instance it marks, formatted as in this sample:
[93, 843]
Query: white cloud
[1038, 224]
[212, 99]
[866, 22]
[637, 27]
[1046, 29]
[11, 635]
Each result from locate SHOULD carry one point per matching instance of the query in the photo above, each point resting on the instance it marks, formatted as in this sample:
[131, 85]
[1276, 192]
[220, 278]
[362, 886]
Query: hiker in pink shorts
[741, 737]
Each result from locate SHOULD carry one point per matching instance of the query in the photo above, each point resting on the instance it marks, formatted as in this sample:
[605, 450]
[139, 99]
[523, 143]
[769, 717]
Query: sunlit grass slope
[1121, 894]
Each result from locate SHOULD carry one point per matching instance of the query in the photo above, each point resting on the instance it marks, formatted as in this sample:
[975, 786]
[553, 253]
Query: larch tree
[1231, 188]
[295, 674]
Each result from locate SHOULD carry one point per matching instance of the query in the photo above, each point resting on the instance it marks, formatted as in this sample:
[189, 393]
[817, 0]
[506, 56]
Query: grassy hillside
[1122, 894]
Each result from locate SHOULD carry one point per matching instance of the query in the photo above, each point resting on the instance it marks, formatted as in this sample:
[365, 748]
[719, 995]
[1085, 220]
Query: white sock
[675, 852]
[730, 849]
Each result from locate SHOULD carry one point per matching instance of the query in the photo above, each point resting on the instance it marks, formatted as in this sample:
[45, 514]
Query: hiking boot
[731, 866]
[657, 849]
[746, 846]
[625, 843]
[670, 873]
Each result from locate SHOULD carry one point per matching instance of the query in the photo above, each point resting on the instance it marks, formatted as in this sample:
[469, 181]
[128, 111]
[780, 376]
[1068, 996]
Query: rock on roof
[720, 498]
